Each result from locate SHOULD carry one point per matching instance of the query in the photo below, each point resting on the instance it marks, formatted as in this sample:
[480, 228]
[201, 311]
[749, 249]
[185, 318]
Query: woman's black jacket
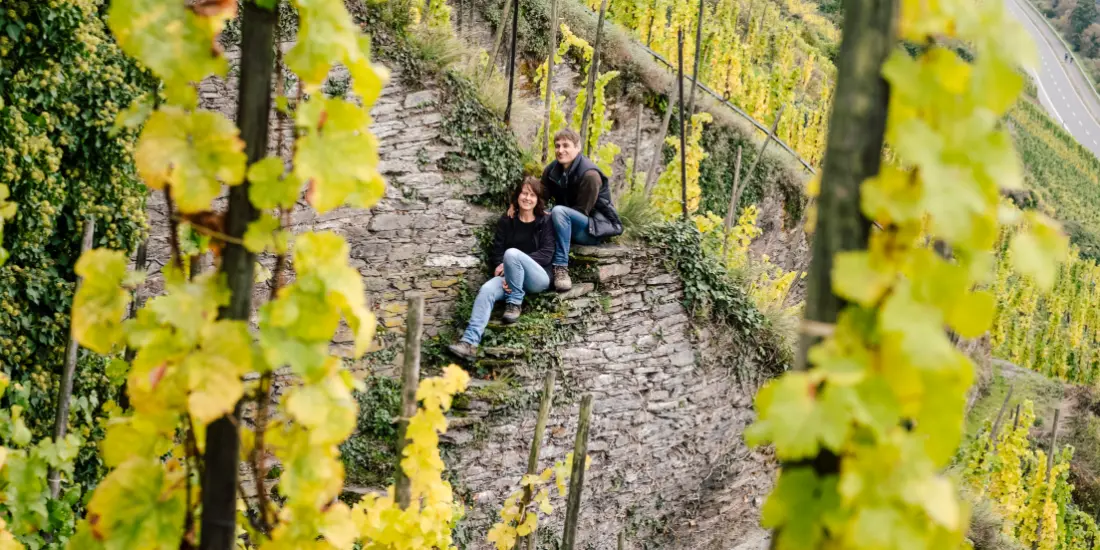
[542, 249]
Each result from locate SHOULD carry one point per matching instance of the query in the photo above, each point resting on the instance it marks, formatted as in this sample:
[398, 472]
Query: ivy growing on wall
[711, 294]
[62, 83]
[482, 138]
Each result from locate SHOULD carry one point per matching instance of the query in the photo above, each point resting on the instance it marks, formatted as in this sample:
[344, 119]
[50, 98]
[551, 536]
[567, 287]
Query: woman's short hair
[536, 187]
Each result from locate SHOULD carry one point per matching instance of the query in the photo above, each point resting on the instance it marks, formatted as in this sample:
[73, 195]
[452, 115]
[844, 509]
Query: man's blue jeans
[569, 226]
[523, 276]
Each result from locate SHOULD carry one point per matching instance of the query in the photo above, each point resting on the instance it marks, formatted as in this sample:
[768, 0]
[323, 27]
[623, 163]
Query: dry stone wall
[669, 463]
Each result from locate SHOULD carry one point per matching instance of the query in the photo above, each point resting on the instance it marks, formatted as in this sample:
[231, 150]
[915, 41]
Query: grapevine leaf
[972, 314]
[326, 35]
[139, 505]
[326, 409]
[797, 506]
[1038, 249]
[337, 155]
[193, 153]
[368, 79]
[936, 495]
[100, 304]
[177, 43]
[855, 277]
[147, 435]
[214, 372]
[269, 187]
[324, 256]
[339, 530]
[265, 234]
[787, 410]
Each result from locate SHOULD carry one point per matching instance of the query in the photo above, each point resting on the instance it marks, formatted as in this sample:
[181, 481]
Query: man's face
[565, 151]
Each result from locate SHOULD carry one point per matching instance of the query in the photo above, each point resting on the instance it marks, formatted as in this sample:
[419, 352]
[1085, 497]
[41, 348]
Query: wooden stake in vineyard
[698, 57]
[533, 457]
[219, 482]
[857, 131]
[512, 63]
[651, 174]
[410, 380]
[593, 74]
[683, 144]
[735, 197]
[576, 476]
[65, 392]
[1046, 476]
[499, 39]
[547, 138]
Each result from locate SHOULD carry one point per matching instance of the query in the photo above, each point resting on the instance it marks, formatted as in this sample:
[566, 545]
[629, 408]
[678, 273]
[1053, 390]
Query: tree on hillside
[1082, 16]
[1090, 40]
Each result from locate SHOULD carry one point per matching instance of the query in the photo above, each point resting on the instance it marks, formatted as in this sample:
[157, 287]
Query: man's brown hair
[569, 134]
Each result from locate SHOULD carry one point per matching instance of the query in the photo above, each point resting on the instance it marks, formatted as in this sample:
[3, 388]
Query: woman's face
[527, 199]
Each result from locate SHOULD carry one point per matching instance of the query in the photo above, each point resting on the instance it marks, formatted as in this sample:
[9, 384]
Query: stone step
[578, 290]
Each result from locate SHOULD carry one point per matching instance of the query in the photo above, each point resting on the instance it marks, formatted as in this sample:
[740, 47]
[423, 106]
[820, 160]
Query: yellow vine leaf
[193, 153]
[265, 234]
[178, 44]
[382, 524]
[269, 187]
[101, 302]
[337, 155]
[138, 505]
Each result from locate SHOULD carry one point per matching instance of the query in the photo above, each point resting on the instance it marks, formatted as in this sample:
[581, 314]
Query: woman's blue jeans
[523, 276]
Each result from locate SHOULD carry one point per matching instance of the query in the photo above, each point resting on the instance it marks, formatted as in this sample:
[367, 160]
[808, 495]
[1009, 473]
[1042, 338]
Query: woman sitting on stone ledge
[523, 247]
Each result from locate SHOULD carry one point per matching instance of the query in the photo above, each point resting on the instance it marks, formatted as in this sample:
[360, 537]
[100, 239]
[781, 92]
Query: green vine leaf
[173, 40]
[192, 153]
[337, 155]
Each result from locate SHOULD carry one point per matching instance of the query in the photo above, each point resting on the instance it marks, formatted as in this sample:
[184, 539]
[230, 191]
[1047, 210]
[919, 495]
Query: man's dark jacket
[603, 221]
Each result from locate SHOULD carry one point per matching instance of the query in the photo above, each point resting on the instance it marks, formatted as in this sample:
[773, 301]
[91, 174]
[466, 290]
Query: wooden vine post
[536, 447]
[141, 263]
[410, 379]
[1000, 417]
[593, 74]
[651, 174]
[853, 153]
[65, 392]
[499, 39]
[739, 183]
[735, 197]
[548, 140]
[680, 103]
[1046, 477]
[698, 56]
[222, 454]
[512, 63]
[576, 476]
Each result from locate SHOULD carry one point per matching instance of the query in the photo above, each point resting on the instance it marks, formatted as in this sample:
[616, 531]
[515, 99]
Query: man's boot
[562, 282]
[464, 350]
[511, 313]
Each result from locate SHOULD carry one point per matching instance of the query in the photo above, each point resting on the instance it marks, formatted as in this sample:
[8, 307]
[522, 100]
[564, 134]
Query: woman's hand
[499, 271]
[511, 211]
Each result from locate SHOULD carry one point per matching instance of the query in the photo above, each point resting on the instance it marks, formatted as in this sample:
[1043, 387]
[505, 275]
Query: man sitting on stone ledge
[582, 212]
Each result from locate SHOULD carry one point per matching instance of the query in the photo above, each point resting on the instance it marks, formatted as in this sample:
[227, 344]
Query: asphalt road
[1062, 87]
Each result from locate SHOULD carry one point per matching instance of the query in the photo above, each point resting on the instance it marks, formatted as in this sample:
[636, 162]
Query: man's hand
[498, 271]
[506, 287]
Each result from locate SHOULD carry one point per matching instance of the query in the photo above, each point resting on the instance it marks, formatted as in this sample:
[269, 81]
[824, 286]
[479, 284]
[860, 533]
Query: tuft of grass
[637, 214]
[438, 49]
[986, 525]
